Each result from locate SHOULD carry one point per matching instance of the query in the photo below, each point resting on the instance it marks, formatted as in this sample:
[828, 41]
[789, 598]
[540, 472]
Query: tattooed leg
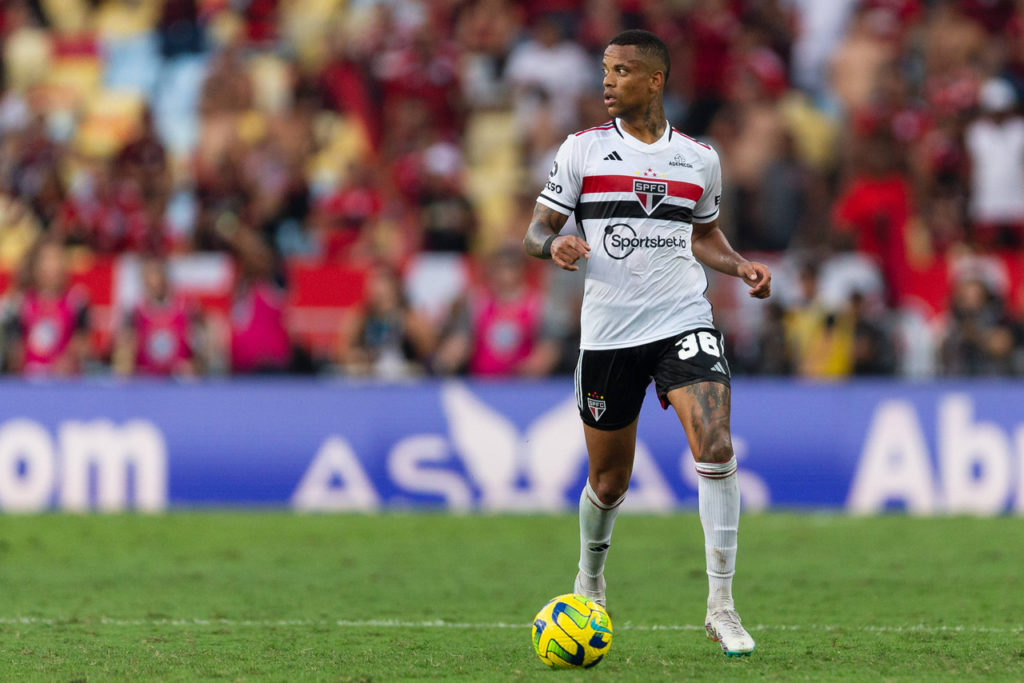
[703, 408]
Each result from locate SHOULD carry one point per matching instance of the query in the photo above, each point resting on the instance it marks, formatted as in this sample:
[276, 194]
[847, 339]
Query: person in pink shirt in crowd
[502, 328]
[48, 325]
[156, 337]
[259, 339]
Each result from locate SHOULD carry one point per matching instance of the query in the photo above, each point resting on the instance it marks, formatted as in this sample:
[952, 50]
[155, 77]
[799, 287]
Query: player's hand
[566, 250]
[759, 277]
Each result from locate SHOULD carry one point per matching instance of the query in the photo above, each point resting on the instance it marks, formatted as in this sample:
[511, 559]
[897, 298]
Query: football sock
[596, 522]
[718, 493]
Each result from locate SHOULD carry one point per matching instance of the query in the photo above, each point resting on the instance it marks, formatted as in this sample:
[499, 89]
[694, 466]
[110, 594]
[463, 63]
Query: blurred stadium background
[333, 193]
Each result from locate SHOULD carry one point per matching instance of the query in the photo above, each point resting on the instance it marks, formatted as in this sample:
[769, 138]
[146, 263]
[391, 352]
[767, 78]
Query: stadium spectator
[819, 27]
[422, 67]
[981, 338]
[757, 146]
[387, 339]
[703, 54]
[158, 336]
[500, 329]
[995, 143]
[819, 339]
[259, 342]
[447, 217]
[486, 30]
[873, 212]
[771, 352]
[549, 73]
[47, 321]
[873, 350]
[144, 161]
[346, 88]
[343, 220]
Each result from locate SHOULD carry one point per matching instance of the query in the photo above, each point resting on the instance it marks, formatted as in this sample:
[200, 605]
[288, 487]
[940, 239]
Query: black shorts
[610, 384]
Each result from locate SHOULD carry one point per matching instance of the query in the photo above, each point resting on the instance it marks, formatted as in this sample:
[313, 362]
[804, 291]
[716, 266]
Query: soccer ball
[572, 631]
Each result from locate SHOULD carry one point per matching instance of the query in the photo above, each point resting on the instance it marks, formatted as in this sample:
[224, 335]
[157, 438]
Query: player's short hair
[647, 43]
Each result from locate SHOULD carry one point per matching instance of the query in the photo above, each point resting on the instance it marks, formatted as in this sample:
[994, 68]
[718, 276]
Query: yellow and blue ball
[572, 631]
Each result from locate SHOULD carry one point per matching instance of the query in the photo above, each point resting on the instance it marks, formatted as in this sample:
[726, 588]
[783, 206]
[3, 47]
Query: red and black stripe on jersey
[594, 184]
[631, 208]
[605, 209]
[625, 208]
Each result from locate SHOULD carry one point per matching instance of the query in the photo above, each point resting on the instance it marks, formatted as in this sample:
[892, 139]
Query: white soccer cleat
[723, 626]
[590, 588]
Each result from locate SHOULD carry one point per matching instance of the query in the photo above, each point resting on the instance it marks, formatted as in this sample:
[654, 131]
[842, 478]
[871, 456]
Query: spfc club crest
[649, 193]
[597, 407]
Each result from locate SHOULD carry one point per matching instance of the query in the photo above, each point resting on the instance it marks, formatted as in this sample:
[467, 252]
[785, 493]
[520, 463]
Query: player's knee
[610, 486]
[718, 448]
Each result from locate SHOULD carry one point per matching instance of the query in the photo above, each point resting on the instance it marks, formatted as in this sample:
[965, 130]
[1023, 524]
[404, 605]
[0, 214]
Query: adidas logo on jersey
[717, 367]
[614, 156]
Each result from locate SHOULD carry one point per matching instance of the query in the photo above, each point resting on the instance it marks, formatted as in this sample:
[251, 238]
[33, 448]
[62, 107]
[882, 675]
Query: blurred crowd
[873, 154]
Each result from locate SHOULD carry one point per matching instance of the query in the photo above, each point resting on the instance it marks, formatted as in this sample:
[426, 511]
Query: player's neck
[647, 126]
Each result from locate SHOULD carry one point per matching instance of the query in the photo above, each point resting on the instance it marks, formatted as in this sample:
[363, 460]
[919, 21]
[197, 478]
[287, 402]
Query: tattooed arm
[543, 241]
[711, 248]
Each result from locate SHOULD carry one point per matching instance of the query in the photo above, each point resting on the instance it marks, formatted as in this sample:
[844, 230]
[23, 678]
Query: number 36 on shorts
[702, 340]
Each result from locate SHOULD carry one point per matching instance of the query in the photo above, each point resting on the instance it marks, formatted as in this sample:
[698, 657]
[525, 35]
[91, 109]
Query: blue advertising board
[929, 448]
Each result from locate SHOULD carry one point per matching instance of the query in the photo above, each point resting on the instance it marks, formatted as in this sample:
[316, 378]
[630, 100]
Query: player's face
[630, 81]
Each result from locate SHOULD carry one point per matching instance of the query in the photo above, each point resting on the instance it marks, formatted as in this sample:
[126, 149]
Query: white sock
[596, 522]
[718, 493]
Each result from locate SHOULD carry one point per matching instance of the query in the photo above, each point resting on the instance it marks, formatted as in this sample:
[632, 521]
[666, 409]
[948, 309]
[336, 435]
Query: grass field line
[439, 623]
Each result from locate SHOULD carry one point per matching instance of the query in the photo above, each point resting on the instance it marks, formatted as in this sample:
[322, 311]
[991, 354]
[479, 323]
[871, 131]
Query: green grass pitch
[274, 596]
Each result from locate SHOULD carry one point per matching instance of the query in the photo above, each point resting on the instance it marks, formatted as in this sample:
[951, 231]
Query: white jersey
[635, 205]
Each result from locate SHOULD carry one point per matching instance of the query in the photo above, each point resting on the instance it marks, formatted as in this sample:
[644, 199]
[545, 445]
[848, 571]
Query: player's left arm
[713, 250]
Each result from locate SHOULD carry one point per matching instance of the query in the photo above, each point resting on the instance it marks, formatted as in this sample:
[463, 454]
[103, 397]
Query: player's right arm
[556, 201]
[543, 241]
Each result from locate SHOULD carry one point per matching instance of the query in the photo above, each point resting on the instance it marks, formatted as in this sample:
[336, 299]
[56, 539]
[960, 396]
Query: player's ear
[657, 80]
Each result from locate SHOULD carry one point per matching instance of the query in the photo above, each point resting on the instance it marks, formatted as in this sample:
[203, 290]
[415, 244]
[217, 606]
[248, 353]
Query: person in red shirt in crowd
[143, 159]
[422, 66]
[259, 338]
[712, 28]
[48, 325]
[343, 219]
[344, 85]
[872, 214]
[156, 337]
[111, 214]
[502, 328]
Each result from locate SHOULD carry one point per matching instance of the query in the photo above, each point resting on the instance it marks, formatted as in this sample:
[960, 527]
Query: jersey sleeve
[562, 190]
[706, 209]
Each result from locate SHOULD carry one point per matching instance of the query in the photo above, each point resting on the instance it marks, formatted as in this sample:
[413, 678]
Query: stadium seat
[110, 121]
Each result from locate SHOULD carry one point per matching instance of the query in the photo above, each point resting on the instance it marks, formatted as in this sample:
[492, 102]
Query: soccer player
[646, 201]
